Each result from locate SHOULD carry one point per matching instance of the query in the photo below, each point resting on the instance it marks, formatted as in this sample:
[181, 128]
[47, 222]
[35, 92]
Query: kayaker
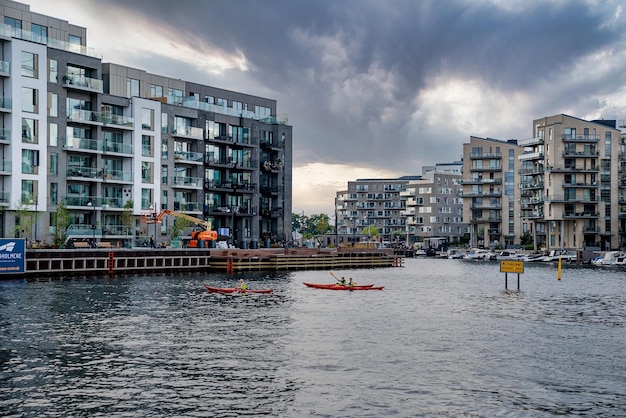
[350, 283]
[242, 285]
[342, 282]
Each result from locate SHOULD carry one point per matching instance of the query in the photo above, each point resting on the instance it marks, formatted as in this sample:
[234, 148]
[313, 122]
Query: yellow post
[558, 274]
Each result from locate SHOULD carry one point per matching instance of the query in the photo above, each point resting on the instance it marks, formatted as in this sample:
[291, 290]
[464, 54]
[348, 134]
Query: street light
[93, 221]
[155, 224]
[35, 216]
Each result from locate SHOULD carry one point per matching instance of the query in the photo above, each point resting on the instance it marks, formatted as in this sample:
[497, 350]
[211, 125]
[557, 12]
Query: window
[53, 71]
[30, 131]
[164, 148]
[132, 87]
[40, 33]
[30, 161]
[54, 194]
[28, 191]
[607, 144]
[156, 91]
[29, 100]
[15, 25]
[146, 199]
[29, 64]
[147, 119]
[174, 92]
[164, 174]
[53, 164]
[53, 105]
[164, 126]
[75, 40]
[53, 134]
[146, 145]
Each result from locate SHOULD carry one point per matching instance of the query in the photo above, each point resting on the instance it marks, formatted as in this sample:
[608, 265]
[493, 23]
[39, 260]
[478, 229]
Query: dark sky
[387, 86]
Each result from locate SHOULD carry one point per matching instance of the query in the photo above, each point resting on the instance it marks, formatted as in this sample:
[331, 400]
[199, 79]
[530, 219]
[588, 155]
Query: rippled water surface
[444, 338]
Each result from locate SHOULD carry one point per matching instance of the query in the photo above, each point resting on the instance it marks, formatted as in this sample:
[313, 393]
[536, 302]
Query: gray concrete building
[96, 136]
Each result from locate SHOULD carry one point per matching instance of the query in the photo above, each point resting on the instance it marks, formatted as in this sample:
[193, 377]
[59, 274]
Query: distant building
[434, 208]
[490, 193]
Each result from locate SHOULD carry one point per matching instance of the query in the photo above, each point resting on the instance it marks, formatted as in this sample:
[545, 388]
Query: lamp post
[93, 221]
[155, 224]
[35, 216]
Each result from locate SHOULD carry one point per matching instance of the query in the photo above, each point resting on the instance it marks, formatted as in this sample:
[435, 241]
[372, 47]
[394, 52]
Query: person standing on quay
[151, 241]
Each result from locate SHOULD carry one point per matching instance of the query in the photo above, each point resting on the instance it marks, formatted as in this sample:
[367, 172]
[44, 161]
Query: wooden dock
[47, 264]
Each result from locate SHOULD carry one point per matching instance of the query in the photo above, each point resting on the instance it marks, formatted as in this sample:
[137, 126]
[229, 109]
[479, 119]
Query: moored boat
[212, 289]
[336, 286]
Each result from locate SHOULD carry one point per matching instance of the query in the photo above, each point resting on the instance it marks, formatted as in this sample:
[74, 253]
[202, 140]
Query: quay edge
[43, 264]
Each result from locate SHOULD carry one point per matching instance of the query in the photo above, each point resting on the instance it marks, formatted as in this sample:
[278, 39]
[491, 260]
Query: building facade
[434, 208]
[489, 192]
[101, 138]
[572, 182]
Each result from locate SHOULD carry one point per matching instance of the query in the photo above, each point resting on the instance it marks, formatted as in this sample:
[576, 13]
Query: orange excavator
[196, 236]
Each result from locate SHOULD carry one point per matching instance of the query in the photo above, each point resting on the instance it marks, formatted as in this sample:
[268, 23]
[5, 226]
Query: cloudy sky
[377, 88]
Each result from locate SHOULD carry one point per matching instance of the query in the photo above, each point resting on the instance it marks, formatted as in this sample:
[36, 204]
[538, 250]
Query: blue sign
[224, 232]
[12, 255]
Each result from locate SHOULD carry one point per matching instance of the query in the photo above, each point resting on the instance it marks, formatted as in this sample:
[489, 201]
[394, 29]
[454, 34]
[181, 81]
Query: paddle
[331, 273]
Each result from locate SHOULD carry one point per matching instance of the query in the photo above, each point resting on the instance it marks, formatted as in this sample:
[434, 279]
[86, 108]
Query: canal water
[444, 338]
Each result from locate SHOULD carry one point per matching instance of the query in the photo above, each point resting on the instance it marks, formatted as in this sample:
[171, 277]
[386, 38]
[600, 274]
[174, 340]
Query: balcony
[593, 185]
[530, 142]
[485, 206]
[112, 147]
[481, 181]
[5, 167]
[80, 82]
[581, 138]
[189, 157]
[571, 199]
[84, 173]
[5, 198]
[5, 69]
[580, 215]
[533, 185]
[486, 168]
[272, 145]
[571, 169]
[581, 154]
[528, 156]
[118, 121]
[485, 156]
[84, 116]
[5, 136]
[186, 182]
[188, 132]
[5, 104]
[118, 176]
[82, 144]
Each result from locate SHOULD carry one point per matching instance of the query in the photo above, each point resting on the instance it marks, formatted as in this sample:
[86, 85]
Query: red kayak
[335, 286]
[235, 290]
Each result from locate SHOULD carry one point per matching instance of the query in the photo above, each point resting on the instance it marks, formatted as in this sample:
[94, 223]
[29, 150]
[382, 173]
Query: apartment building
[572, 183]
[99, 137]
[372, 203]
[489, 192]
[434, 207]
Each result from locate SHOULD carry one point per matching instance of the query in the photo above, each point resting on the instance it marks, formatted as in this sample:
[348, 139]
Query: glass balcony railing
[118, 147]
[5, 68]
[5, 103]
[10, 32]
[87, 144]
[77, 115]
[188, 131]
[5, 166]
[118, 175]
[80, 81]
[118, 121]
[5, 135]
[188, 156]
[5, 198]
[195, 182]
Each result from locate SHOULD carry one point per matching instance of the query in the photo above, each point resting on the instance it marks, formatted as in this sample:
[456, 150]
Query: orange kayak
[335, 286]
[211, 289]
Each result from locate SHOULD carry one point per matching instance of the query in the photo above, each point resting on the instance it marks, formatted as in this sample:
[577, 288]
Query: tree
[61, 223]
[127, 217]
[23, 219]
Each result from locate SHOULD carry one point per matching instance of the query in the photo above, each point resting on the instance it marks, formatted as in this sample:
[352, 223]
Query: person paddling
[242, 285]
[350, 282]
[342, 282]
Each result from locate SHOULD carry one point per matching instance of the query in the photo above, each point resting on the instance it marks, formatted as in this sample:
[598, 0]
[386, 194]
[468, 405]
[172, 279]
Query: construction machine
[196, 236]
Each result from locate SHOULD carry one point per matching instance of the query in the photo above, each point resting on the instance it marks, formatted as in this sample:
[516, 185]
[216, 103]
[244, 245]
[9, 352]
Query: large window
[53, 164]
[74, 39]
[53, 71]
[54, 194]
[147, 149]
[40, 33]
[53, 134]
[29, 190]
[30, 161]
[132, 87]
[156, 91]
[53, 105]
[29, 100]
[15, 25]
[29, 64]
[30, 131]
[147, 119]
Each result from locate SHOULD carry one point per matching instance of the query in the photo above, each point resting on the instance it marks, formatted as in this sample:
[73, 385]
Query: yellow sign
[508, 266]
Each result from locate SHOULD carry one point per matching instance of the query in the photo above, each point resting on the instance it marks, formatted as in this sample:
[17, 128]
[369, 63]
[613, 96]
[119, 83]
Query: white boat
[508, 255]
[610, 258]
[555, 255]
[479, 254]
